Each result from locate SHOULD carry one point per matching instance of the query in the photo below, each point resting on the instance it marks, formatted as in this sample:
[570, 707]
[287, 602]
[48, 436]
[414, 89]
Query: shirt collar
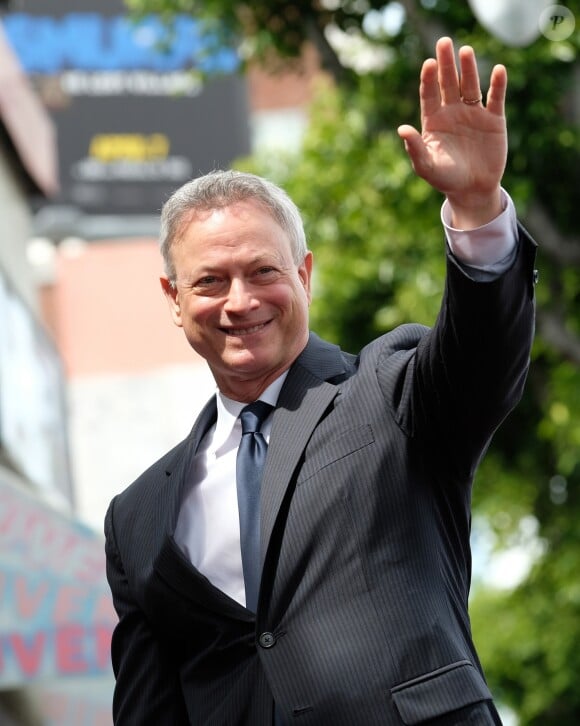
[228, 412]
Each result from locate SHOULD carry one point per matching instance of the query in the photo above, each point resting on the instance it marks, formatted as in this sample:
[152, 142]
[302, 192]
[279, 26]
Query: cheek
[291, 296]
[196, 314]
[303, 299]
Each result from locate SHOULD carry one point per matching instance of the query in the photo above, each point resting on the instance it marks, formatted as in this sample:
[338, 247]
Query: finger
[429, 96]
[470, 85]
[497, 91]
[447, 71]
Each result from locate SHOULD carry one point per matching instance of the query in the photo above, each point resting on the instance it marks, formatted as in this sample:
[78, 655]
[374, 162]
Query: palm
[466, 148]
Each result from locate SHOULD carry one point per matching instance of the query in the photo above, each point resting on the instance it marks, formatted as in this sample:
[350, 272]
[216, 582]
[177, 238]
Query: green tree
[376, 235]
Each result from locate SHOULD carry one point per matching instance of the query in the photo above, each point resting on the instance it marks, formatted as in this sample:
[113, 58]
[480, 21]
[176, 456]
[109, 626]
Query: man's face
[240, 298]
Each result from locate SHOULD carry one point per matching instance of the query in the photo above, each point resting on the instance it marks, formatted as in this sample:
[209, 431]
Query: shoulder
[147, 484]
[330, 363]
[402, 339]
[395, 348]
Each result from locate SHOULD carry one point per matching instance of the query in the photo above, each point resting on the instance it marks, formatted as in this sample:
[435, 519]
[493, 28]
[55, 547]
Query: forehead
[242, 225]
[246, 211]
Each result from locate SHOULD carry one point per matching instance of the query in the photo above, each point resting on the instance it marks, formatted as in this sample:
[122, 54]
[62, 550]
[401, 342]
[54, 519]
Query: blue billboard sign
[89, 41]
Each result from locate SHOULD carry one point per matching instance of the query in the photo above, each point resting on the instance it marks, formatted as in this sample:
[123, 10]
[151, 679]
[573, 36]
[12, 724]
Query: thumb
[415, 148]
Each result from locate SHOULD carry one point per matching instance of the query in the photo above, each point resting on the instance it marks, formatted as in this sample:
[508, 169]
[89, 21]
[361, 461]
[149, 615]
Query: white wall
[121, 424]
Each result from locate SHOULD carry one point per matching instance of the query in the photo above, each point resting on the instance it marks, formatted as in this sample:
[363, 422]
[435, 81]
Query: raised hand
[462, 147]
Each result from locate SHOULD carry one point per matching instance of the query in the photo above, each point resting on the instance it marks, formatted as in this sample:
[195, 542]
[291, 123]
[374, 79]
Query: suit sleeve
[147, 690]
[470, 369]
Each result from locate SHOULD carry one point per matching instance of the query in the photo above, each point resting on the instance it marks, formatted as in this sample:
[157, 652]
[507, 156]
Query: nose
[240, 298]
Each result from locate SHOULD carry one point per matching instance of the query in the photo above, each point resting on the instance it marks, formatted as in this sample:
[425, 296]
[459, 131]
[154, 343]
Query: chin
[245, 362]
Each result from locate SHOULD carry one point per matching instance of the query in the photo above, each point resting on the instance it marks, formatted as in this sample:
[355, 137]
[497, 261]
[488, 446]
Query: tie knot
[253, 416]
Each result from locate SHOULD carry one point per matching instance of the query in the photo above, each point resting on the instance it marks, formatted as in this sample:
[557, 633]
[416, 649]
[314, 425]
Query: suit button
[267, 640]
[536, 277]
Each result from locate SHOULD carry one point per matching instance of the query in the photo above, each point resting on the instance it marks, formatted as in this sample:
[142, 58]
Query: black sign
[139, 107]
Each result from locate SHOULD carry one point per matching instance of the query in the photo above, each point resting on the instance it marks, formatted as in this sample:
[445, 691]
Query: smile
[244, 331]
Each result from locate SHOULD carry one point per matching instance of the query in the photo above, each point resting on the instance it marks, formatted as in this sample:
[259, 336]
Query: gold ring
[471, 101]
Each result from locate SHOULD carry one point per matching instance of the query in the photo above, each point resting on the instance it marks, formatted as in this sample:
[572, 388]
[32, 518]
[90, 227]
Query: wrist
[475, 210]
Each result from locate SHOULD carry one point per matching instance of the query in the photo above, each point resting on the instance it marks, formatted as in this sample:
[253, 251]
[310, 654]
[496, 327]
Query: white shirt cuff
[487, 246]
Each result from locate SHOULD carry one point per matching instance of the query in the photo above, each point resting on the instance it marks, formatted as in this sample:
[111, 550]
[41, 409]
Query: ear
[172, 297]
[305, 274]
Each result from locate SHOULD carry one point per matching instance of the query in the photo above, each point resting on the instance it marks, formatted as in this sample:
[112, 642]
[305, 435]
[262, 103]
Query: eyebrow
[211, 269]
[257, 260]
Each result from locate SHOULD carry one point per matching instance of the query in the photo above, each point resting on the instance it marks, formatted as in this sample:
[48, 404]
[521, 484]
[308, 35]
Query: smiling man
[303, 555]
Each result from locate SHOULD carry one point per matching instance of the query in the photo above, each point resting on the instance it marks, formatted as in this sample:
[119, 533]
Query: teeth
[245, 331]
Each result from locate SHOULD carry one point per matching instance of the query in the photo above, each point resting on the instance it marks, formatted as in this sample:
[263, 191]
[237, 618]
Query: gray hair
[220, 189]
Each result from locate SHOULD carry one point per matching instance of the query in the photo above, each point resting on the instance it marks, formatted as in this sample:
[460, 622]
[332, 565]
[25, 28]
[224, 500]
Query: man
[352, 611]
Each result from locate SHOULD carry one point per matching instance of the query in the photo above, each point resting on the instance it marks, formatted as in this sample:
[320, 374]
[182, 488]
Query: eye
[208, 284]
[266, 271]
[207, 280]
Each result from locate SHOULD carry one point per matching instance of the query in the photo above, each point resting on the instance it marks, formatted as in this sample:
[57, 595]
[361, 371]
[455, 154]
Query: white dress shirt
[208, 525]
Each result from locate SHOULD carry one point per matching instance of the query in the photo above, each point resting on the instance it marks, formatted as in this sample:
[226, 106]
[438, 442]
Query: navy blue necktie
[249, 465]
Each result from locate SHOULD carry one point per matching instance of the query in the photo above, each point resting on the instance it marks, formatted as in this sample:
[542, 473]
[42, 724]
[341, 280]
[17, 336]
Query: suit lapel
[304, 398]
[176, 470]
[171, 564]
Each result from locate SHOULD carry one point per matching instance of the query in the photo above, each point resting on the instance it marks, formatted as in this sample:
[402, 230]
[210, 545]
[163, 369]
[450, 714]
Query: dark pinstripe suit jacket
[362, 617]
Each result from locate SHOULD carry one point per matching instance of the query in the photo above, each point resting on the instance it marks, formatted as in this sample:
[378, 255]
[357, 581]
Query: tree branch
[328, 58]
[429, 31]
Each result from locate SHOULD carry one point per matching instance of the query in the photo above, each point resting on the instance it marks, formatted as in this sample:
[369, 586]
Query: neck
[246, 391]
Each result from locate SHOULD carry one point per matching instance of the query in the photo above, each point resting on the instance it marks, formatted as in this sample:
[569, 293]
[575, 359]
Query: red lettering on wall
[29, 595]
[103, 647]
[70, 658]
[70, 603]
[10, 520]
[28, 651]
